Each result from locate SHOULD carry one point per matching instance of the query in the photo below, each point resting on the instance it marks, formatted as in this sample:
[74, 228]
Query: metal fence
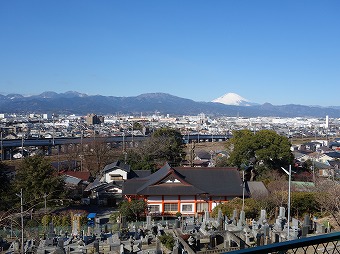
[327, 243]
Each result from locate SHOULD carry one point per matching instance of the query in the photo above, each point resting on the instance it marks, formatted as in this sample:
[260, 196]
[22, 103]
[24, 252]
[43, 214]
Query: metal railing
[326, 243]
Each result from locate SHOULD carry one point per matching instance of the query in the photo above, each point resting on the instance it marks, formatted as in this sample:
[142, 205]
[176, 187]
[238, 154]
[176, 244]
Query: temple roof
[187, 181]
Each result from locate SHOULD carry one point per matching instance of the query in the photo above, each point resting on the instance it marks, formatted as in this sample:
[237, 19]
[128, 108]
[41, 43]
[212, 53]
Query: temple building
[188, 190]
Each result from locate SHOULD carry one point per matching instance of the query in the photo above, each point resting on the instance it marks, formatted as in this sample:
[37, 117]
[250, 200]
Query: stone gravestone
[266, 233]
[148, 222]
[177, 223]
[320, 228]
[280, 220]
[304, 230]
[234, 218]
[121, 250]
[158, 247]
[295, 229]
[307, 222]
[263, 217]
[96, 246]
[198, 241]
[124, 223]
[175, 249]
[242, 221]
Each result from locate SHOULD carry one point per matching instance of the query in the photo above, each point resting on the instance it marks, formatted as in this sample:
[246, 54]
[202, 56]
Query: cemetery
[184, 234]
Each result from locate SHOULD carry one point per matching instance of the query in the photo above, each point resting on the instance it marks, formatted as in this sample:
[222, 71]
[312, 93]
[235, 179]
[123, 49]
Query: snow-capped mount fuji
[233, 99]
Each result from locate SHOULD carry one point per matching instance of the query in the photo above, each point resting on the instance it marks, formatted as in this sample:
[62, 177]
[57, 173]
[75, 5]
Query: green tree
[66, 220]
[164, 145]
[83, 220]
[114, 216]
[57, 220]
[133, 209]
[304, 203]
[251, 207]
[221, 162]
[36, 177]
[138, 159]
[46, 220]
[6, 193]
[167, 240]
[265, 150]
[137, 126]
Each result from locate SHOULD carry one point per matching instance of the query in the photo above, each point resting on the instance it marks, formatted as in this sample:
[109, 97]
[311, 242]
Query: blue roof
[91, 215]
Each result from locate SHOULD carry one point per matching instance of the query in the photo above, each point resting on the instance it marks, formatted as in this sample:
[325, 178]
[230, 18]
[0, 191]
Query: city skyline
[265, 51]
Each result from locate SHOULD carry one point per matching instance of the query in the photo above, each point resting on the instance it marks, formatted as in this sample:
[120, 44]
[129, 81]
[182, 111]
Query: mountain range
[79, 103]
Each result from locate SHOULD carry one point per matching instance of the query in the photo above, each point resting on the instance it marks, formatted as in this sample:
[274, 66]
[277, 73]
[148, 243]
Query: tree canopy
[164, 145]
[132, 209]
[264, 150]
[36, 177]
[5, 190]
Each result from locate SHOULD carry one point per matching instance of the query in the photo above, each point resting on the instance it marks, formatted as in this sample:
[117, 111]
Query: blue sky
[280, 52]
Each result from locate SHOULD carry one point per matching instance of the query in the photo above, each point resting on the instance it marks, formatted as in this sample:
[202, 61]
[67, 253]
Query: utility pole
[289, 173]
[243, 187]
[192, 153]
[22, 219]
[2, 152]
[22, 146]
[132, 135]
[45, 196]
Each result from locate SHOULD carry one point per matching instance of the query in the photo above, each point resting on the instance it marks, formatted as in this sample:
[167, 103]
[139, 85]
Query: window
[116, 177]
[154, 209]
[187, 208]
[168, 207]
[202, 207]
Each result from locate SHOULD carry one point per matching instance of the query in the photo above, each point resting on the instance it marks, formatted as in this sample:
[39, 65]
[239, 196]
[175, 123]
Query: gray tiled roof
[257, 188]
[94, 185]
[117, 164]
[191, 181]
[71, 180]
[139, 173]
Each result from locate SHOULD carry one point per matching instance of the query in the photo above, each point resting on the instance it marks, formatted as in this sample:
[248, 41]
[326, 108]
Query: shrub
[251, 207]
[304, 203]
[46, 219]
[167, 240]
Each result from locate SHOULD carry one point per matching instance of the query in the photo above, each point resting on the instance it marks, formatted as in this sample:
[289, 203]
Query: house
[116, 171]
[334, 155]
[302, 156]
[325, 149]
[106, 189]
[310, 146]
[201, 158]
[188, 190]
[76, 182]
[335, 164]
[320, 157]
[335, 145]
[325, 157]
[324, 170]
[202, 155]
[335, 169]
